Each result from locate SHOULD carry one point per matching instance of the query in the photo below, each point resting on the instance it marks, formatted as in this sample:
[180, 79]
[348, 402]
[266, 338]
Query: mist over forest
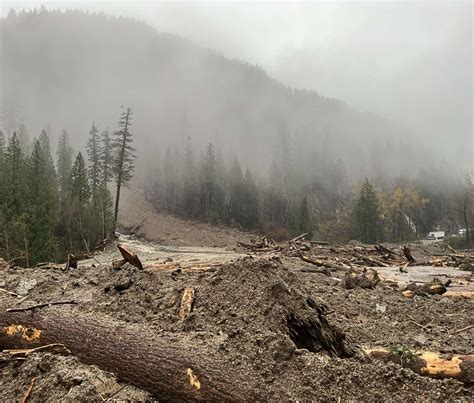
[219, 139]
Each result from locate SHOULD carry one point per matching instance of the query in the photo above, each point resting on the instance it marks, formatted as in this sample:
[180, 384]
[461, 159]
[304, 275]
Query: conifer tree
[2, 165]
[2, 193]
[94, 153]
[106, 157]
[106, 166]
[15, 202]
[304, 223]
[79, 199]
[123, 164]
[46, 149]
[190, 186]
[95, 174]
[237, 193]
[211, 194]
[251, 203]
[64, 154]
[24, 139]
[42, 209]
[367, 213]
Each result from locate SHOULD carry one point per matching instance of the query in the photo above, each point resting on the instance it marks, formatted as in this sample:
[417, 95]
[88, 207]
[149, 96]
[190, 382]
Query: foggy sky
[408, 61]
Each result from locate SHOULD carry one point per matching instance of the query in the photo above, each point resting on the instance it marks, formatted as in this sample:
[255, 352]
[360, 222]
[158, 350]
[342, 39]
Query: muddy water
[154, 253]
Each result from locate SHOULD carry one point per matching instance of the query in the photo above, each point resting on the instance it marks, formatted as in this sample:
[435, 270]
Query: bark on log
[407, 252]
[430, 364]
[71, 262]
[158, 365]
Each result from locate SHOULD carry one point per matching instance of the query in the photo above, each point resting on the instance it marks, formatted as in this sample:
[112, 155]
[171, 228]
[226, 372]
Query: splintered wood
[129, 256]
[186, 303]
[358, 256]
[261, 244]
[430, 364]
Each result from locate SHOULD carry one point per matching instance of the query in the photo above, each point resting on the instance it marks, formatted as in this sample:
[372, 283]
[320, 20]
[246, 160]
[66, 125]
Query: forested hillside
[218, 139]
[64, 70]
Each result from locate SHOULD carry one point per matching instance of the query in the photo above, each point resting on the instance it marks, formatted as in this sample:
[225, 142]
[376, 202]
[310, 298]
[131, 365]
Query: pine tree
[190, 186]
[367, 213]
[237, 193]
[15, 203]
[251, 203]
[106, 165]
[2, 186]
[64, 154]
[211, 194]
[123, 165]
[95, 178]
[79, 200]
[2, 165]
[42, 209]
[106, 157]
[94, 153]
[46, 149]
[24, 139]
[304, 223]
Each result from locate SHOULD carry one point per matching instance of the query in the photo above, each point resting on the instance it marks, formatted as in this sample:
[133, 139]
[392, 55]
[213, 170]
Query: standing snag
[123, 164]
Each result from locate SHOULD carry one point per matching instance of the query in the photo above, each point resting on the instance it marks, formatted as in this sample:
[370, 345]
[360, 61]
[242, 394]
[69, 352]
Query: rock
[420, 339]
[25, 286]
[123, 284]
[381, 308]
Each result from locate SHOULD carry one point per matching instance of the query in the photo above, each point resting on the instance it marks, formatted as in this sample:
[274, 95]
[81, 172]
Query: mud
[242, 314]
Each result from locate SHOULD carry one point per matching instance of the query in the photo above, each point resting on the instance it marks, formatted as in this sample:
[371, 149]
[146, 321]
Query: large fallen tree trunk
[430, 364]
[169, 370]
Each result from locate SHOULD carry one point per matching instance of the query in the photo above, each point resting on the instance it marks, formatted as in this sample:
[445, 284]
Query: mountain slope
[69, 69]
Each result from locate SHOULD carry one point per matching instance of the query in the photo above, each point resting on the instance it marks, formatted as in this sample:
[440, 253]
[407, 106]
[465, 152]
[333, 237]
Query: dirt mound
[264, 324]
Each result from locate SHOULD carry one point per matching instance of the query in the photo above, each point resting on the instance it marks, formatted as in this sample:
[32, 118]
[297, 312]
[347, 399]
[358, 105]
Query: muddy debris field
[259, 321]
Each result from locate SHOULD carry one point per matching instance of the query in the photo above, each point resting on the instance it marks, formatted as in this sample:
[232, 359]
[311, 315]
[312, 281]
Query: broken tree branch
[30, 308]
[28, 392]
[9, 292]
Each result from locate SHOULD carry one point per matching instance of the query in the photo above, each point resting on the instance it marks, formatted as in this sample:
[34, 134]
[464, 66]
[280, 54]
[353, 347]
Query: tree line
[289, 200]
[50, 209]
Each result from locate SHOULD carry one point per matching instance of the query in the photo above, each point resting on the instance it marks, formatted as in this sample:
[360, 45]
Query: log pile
[260, 244]
[359, 256]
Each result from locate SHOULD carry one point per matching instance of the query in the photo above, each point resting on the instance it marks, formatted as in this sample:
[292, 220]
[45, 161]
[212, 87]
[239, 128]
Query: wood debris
[260, 244]
[432, 288]
[186, 303]
[460, 367]
[130, 256]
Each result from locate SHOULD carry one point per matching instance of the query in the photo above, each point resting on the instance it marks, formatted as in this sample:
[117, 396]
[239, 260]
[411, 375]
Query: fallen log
[460, 367]
[297, 238]
[138, 225]
[384, 250]
[321, 263]
[433, 287]
[161, 366]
